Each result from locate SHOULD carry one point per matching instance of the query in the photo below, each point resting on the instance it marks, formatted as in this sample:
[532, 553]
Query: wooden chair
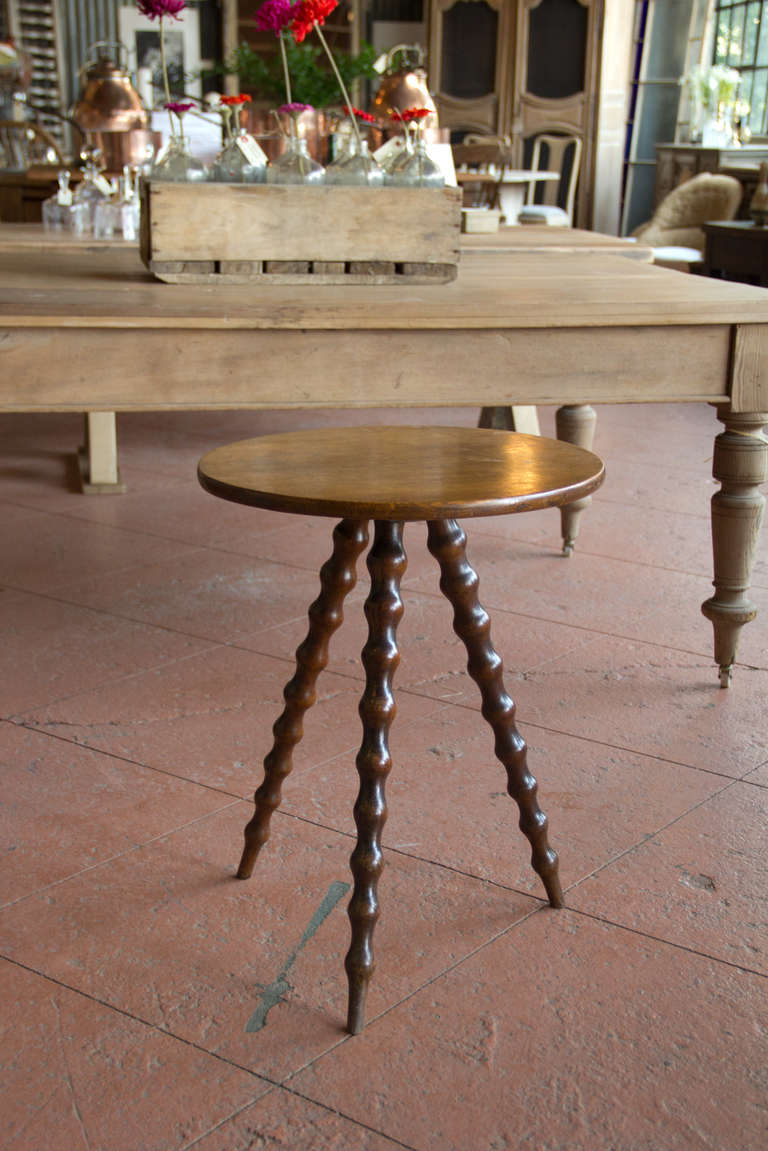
[485, 158]
[550, 202]
[23, 143]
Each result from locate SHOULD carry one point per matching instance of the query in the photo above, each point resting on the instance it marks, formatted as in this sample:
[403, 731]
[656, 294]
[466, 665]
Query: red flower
[231, 101]
[308, 13]
[156, 9]
[411, 114]
[366, 117]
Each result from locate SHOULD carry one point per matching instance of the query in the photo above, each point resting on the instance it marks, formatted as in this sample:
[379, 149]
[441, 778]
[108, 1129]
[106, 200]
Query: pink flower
[156, 9]
[178, 107]
[275, 16]
[294, 108]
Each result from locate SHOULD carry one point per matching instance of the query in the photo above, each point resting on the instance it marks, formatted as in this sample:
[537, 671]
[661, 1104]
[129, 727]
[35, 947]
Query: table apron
[124, 369]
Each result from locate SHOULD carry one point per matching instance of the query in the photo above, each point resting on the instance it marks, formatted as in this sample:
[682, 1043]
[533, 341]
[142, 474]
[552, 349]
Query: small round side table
[392, 475]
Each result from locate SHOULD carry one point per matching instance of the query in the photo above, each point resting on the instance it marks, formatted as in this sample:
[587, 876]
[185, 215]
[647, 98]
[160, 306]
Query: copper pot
[108, 102]
[404, 87]
[109, 111]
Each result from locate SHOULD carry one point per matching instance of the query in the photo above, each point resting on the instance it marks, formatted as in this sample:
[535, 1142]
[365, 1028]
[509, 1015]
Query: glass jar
[295, 165]
[175, 162]
[357, 167]
[418, 170]
[241, 161]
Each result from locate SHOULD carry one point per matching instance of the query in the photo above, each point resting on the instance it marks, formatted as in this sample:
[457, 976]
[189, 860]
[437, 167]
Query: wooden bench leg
[98, 457]
[574, 424]
[740, 463]
[458, 583]
[383, 610]
[337, 578]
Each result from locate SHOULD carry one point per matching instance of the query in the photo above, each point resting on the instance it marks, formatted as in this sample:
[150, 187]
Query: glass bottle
[295, 165]
[240, 161]
[61, 214]
[175, 162]
[418, 170]
[356, 167]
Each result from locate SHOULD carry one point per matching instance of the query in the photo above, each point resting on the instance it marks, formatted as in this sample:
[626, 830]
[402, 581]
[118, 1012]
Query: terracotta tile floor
[152, 1003]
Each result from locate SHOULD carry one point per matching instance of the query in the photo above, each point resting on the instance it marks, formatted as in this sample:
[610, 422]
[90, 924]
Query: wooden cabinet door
[557, 80]
[470, 63]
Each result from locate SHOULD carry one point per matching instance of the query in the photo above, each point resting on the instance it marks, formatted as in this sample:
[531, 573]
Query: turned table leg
[383, 610]
[458, 582]
[575, 424]
[337, 578]
[740, 463]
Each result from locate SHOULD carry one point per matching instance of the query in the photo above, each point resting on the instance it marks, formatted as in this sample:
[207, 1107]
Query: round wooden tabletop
[400, 473]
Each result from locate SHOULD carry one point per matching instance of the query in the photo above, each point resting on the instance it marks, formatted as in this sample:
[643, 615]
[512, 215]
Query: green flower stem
[286, 73]
[342, 86]
[164, 67]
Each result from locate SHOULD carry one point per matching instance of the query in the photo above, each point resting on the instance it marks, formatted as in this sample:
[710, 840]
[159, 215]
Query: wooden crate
[241, 233]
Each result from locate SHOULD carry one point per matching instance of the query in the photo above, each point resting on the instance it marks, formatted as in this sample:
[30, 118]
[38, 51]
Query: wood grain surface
[400, 473]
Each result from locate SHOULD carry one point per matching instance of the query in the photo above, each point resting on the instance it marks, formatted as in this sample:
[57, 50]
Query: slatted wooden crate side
[329, 234]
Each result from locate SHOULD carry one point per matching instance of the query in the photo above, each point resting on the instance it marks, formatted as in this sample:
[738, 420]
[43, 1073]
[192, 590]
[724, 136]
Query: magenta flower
[156, 9]
[294, 108]
[178, 107]
[275, 16]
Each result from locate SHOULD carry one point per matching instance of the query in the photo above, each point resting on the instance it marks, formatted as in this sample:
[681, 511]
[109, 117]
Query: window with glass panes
[741, 41]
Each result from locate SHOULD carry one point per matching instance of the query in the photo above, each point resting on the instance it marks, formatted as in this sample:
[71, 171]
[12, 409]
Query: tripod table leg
[383, 610]
[337, 578]
[458, 582]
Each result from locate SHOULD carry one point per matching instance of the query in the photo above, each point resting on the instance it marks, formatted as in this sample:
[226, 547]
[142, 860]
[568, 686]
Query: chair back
[487, 156]
[555, 153]
[23, 143]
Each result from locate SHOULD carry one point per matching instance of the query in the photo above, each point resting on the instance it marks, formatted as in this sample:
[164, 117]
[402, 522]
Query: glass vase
[295, 166]
[357, 167]
[175, 162]
[417, 170]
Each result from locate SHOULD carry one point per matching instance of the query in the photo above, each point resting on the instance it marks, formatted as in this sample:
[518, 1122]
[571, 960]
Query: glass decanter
[118, 217]
[240, 161]
[295, 165]
[94, 187]
[357, 166]
[61, 214]
[175, 162]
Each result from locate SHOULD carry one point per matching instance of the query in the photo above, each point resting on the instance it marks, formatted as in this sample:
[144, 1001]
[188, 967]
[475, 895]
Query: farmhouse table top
[91, 330]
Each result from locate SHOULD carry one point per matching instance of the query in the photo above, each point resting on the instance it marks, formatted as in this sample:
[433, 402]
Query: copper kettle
[404, 84]
[107, 102]
[109, 111]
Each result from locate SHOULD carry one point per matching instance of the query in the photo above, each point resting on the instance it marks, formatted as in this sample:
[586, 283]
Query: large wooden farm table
[92, 331]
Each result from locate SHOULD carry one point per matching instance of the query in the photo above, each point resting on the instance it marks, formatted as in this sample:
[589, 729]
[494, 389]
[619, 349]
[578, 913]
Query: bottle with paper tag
[241, 161]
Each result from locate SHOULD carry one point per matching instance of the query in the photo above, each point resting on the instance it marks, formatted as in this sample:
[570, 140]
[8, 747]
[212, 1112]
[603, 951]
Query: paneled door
[520, 67]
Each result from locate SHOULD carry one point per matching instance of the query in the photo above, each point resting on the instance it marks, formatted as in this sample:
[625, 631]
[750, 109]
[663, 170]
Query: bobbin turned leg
[574, 424]
[458, 582]
[740, 463]
[337, 578]
[383, 610]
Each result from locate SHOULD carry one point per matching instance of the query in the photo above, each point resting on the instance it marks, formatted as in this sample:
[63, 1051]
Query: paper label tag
[252, 151]
[103, 184]
[393, 147]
